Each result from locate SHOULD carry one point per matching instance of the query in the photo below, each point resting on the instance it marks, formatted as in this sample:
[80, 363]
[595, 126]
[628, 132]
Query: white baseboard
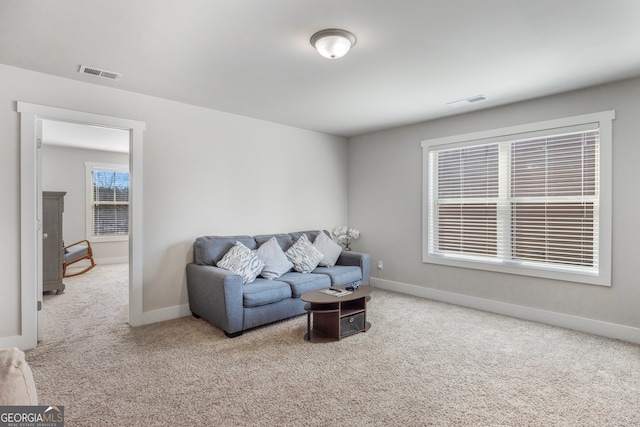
[102, 261]
[167, 313]
[582, 324]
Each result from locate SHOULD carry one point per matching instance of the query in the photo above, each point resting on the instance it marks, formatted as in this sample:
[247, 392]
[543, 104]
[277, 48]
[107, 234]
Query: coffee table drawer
[351, 324]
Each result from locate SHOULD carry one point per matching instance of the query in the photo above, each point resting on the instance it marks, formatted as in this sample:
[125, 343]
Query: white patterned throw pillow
[304, 256]
[330, 250]
[242, 261]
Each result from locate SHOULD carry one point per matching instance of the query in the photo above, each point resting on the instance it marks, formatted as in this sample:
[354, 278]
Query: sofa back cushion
[284, 240]
[208, 250]
[311, 235]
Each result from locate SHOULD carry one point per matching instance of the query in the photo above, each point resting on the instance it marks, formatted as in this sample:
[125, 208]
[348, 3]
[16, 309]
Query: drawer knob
[351, 320]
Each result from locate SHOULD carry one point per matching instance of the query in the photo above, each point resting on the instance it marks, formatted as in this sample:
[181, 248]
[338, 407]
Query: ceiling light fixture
[333, 43]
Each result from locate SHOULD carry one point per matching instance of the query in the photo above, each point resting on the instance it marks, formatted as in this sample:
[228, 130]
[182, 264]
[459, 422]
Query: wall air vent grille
[99, 73]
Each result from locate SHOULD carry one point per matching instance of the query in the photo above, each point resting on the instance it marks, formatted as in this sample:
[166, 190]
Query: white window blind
[109, 207]
[554, 198]
[466, 206]
[529, 200]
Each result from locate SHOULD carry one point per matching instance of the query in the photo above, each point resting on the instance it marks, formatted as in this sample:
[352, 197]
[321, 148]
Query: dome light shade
[333, 43]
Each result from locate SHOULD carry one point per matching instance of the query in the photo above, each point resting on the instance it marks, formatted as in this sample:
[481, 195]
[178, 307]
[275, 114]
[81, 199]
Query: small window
[108, 202]
[531, 200]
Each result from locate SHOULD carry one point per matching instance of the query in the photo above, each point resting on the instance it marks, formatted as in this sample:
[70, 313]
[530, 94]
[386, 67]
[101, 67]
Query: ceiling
[85, 136]
[253, 57]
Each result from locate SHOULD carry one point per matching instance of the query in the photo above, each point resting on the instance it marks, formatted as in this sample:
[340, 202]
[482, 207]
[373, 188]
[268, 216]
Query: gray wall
[385, 203]
[204, 172]
[209, 172]
[63, 169]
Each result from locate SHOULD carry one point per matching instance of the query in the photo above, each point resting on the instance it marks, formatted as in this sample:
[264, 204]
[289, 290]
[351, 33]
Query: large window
[108, 207]
[531, 199]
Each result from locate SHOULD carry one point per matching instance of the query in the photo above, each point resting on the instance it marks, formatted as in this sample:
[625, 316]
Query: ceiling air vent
[476, 98]
[466, 101]
[99, 73]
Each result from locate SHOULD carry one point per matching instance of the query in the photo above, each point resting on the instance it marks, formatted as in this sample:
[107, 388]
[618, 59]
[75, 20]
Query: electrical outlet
[380, 265]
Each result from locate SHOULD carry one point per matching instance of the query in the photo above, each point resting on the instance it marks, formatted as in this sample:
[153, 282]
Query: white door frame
[40, 229]
[31, 231]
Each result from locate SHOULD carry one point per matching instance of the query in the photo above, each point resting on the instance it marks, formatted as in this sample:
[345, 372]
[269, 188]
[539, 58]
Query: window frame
[89, 168]
[604, 121]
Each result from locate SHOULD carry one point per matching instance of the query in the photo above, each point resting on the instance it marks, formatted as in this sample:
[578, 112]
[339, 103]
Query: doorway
[78, 162]
[31, 119]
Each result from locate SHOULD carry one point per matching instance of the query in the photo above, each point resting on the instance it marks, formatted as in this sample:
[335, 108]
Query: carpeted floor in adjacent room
[422, 363]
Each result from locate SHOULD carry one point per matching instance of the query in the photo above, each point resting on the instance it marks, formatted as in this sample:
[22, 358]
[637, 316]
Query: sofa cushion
[328, 248]
[208, 250]
[304, 256]
[304, 282]
[243, 262]
[311, 235]
[284, 240]
[262, 292]
[275, 261]
[341, 274]
[17, 386]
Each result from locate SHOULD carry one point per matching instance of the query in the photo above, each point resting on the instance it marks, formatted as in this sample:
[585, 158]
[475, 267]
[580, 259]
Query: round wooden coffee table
[336, 317]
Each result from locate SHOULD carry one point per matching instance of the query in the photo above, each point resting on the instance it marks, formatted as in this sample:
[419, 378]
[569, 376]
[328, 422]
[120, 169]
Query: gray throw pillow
[330, 250]
[274, 259]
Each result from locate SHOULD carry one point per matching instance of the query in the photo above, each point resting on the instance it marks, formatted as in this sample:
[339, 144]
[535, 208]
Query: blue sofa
[219, 296]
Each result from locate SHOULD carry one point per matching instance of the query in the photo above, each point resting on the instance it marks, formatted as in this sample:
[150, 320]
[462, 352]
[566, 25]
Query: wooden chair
[77, 252]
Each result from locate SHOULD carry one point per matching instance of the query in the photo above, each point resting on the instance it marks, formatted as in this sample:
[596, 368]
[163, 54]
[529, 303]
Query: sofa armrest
[216, 295]
[358, 259]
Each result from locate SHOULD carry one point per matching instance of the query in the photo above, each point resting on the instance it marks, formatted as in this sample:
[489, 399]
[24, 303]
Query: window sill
[523, 269]
[103, 239]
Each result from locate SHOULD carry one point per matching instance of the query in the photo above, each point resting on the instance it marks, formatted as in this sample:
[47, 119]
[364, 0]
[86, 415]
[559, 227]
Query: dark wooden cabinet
[52, 245]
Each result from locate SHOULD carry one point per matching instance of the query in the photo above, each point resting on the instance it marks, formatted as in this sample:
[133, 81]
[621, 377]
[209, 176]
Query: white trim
[602, 116]
[106, 239]
[30, 231]
[30, 114]
[81, 117]
[102, 261]
[582, 324]
[167, 313]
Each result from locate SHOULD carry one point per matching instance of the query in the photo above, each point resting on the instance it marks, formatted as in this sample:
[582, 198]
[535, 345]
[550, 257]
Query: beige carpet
[422, 363]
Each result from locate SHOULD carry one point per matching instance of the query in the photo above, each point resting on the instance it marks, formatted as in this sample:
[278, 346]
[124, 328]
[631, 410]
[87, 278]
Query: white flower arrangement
[344, 235]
